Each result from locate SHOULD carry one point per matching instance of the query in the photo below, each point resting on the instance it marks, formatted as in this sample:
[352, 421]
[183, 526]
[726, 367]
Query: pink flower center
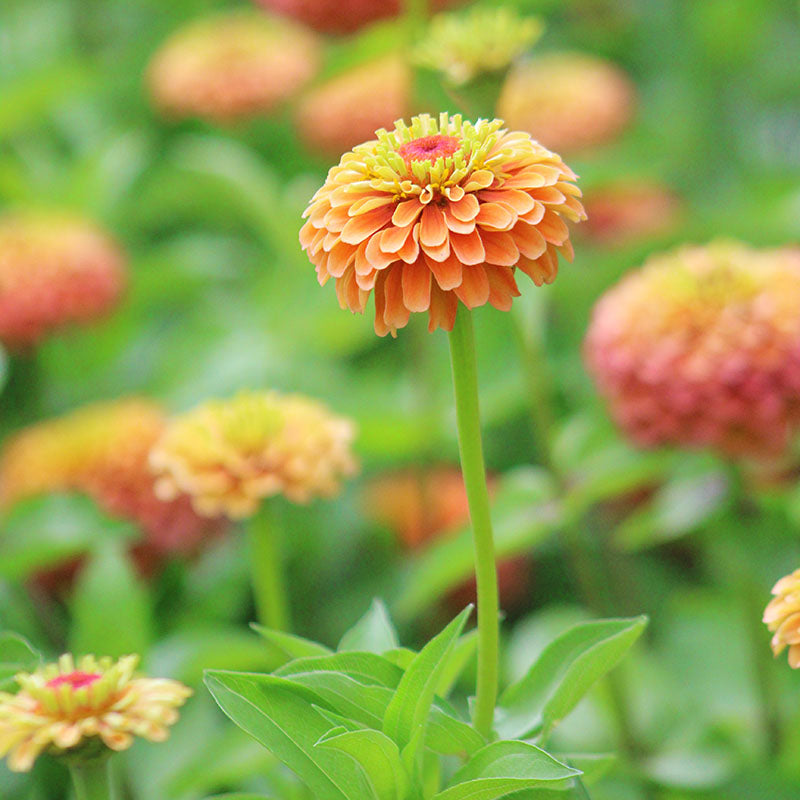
[77, 680]
[429, 148]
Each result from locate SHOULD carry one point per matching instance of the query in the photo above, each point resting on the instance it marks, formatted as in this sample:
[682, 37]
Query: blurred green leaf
[567, 668]
[110, 607]
[374, 632]
[51, 529]
[501, 768]
[289, 645]
[16, 655]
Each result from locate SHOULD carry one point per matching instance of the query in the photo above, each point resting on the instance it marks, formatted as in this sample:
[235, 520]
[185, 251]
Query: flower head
[483, 40]
[102, 450]
[701, 347]
[626, 211]
[54, 271]
[232, 65]
[438, 212]
[62, 706]
[782, 617]
[228, 455]
[349, 108]
[568, 101]
[338, 16]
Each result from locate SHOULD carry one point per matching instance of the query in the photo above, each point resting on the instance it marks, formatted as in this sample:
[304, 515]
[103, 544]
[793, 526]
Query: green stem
[465, 384]
[267, 571]
[92, 780]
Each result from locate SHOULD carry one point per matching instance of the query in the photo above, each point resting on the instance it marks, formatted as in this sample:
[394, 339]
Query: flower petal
[407, 212]
[501, 249]
[474, 288]
[448, 273]
[468, 248]
[432, 228]
[359, 228]
[417, 286]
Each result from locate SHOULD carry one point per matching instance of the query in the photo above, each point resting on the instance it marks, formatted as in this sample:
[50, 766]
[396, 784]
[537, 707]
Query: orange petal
[336, 219]
[409, 252]
[455, 224]
[448, 273]
[339, 258]
[535, 215]
[480, 179]
[530, 242]
[520, 201]
[406, 212]
[465, 209]
[368, 203]
[442, 314]
[392, 239]
[549, 195]
[432, 228]
[553, 228]
[395, 314]
[501, 249]
[417, 286]
[468, 248]
[474, 288]
[439, 253]
[496, 217]
[376, 256]
[364, 225]
[502, 287]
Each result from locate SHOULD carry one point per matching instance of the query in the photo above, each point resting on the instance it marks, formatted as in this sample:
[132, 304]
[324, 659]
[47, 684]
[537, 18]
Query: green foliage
[16, 655]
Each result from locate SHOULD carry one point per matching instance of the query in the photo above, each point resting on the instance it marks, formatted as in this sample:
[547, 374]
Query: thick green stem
[465, 383]
[92, 780]
[267, 571]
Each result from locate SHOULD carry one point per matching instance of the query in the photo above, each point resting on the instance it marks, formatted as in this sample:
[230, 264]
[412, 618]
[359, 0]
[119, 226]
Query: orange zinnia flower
[782, 617]
[61, 706]
[102, 450]
[349, 108]
[232, 65]
[434, 213]
[568, 101]
[54, 271]
[701, 347]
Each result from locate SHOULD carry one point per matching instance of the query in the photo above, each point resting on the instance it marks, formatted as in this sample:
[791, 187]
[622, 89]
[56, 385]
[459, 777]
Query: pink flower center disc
[429, 148]
[77, 680]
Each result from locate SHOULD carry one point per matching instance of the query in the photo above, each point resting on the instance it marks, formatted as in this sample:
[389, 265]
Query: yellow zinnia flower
[782, 617]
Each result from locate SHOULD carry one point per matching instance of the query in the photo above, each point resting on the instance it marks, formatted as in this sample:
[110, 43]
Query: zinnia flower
[102, 450]
[483, 40]
[701, 347]
[54, 271]
[782, 617]
[232, 65]
[61, 706]
[423, 506]
[434, 213]
[339, 16]
[623, 212]
[349, 108]
[228, 455]
[568, 101]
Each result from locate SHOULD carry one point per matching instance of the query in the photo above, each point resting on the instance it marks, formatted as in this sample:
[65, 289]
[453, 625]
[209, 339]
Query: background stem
[92, 780]
[465, 384]
[266, 566]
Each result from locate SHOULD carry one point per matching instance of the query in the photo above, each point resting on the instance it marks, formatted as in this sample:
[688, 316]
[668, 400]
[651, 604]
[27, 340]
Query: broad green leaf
[283, 719]
[365, 667]
[448, 735]
[111, 612]
[378, 757]
[47, 530]
[524, 514]
[16, 655]
[373, 633]
[239, 796]
[290, 645]
[563, 673]
[408, 711]
[504, 767]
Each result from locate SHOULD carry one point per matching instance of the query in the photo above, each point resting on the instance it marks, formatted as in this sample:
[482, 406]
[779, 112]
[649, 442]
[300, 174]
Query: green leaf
[448, 735]
[368, 668]
[374, 632]
[524, 514]
[47, 530]
[111, 612]
[16, 655]
[239, 796]
[593, 765]
[408, 711]
[282, 717]
[501, 768]
[290, 645]
[563, 673]
[378, 757]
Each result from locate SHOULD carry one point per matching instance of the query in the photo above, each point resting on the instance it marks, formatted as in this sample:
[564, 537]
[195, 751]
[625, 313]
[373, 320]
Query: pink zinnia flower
[437, 213]
[701, 347]
[54, 271]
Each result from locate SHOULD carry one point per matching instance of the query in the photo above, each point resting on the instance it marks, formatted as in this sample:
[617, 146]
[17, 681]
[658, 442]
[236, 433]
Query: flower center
[429, 148]
[77, 680]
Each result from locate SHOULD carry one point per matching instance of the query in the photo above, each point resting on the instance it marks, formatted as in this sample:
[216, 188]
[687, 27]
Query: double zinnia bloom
[440, 212]
[62, 707]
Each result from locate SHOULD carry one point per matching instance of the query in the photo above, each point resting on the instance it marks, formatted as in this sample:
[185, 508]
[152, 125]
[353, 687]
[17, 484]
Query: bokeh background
[220, 297]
